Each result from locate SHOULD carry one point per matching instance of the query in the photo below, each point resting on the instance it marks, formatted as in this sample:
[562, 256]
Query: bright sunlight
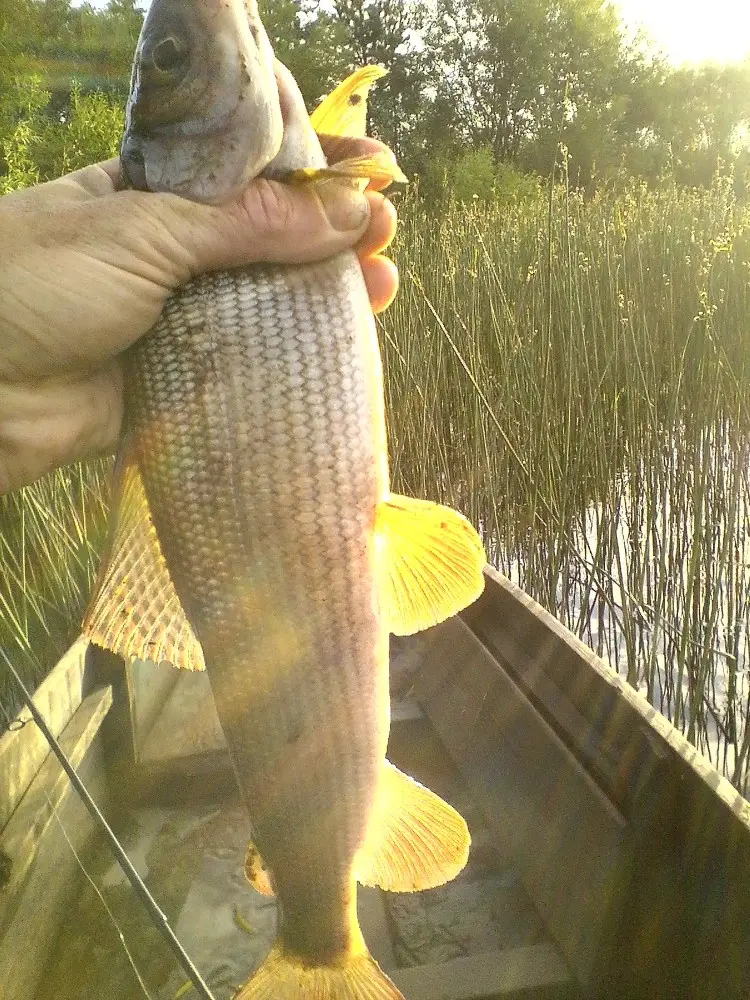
[718, 31]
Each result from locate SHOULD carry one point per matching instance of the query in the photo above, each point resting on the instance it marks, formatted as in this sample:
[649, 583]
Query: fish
[253, 531]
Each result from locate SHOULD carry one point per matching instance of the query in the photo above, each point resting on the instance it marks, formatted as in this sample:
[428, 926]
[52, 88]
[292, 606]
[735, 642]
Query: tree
[384, 32]
[522, 76]
[705, 113]
[16, 28]
[310, 43]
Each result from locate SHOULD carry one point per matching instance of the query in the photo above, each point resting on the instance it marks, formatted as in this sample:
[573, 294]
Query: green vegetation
[37, 147]
[566, 362]
[574, 374]
[516, 79]
[50, 536]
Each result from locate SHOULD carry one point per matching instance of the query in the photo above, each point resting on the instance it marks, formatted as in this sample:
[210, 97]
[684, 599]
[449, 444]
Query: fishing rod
[158, 917]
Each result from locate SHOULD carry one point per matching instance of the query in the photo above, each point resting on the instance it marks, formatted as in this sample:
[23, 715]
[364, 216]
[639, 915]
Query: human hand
[85, 270]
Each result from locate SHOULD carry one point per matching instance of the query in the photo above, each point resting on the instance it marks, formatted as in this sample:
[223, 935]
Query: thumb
[271, 222]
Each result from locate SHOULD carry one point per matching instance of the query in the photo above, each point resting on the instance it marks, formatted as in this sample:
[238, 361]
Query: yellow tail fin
[284, 977]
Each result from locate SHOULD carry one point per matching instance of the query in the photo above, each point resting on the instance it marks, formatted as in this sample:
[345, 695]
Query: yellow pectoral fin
[430, 563]
[379, 166]
[415, 840]
[344, 110]
[135, 611]
[344, 113]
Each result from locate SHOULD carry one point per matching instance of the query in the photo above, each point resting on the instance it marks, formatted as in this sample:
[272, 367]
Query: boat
[610, 859]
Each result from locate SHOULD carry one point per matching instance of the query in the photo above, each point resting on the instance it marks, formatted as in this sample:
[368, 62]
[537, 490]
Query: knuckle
[269, 207]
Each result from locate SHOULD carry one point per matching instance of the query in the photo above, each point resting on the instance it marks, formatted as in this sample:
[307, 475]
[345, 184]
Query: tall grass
[575, 375]
[50, 537]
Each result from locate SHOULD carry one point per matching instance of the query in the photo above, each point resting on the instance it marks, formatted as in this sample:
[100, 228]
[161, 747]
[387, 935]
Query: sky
[693, 30]
[685, 30]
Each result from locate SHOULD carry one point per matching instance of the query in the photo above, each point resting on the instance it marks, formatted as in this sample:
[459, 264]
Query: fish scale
[296, 525]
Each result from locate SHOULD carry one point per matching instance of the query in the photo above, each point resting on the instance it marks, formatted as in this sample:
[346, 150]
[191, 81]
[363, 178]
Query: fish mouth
[203, 115]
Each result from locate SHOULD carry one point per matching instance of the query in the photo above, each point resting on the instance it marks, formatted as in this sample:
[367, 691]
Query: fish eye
[169, 55]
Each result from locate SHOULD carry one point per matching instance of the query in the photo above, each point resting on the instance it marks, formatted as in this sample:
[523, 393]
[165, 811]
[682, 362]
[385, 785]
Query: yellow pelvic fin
[135, 611]
[430, 563]
[283, 976]
[255, 871]
[344, 110]
[415, 840]
[379, 166]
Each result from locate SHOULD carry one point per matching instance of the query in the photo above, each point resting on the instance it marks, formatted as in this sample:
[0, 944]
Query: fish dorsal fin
[344, 110]
[135, 611]
[430, 562]
[415, 840]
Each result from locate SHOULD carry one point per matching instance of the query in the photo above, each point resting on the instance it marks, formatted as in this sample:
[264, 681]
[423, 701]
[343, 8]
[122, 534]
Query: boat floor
[478, 937]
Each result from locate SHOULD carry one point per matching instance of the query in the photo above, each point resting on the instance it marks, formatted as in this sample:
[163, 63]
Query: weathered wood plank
[685, 922]
[22, 750]
[629, 729]
[535, 972]
[150, 686]
[24, 832]
[187, 724]
[548, 815]
[373, 923]
[31, 913]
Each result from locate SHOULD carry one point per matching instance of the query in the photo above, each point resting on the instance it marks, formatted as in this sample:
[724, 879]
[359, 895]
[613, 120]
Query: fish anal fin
[430, 563]
[134, 610]
[415, 840]
[284, 976]
[256, 872]
[344, 110]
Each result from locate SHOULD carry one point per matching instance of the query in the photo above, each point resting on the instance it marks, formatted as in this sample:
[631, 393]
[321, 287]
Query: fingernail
[345, 207]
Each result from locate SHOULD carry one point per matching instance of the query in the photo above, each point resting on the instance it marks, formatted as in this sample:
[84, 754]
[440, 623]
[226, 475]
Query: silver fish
[254, 530]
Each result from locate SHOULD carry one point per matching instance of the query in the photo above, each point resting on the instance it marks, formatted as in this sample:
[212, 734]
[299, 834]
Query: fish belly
[255, 407]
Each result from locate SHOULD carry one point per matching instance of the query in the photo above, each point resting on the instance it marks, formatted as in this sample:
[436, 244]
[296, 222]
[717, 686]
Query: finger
[97, 179]
[348, 147]
[56, 422]
[381, 278]
[112, 169]
[79, 186]
[270, 222]
[345, 147]
[382, 228]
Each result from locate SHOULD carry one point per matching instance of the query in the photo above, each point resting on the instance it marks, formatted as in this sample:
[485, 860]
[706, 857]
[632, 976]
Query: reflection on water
[655, 577]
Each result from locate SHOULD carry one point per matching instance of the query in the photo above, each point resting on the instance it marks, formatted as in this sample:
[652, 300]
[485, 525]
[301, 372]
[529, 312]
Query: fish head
[203, 116]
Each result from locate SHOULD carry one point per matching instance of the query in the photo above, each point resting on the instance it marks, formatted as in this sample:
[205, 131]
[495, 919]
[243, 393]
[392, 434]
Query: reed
[573, 373]
[50, 537]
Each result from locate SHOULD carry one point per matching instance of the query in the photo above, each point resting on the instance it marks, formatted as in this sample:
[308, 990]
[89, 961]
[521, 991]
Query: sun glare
[718, 31]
